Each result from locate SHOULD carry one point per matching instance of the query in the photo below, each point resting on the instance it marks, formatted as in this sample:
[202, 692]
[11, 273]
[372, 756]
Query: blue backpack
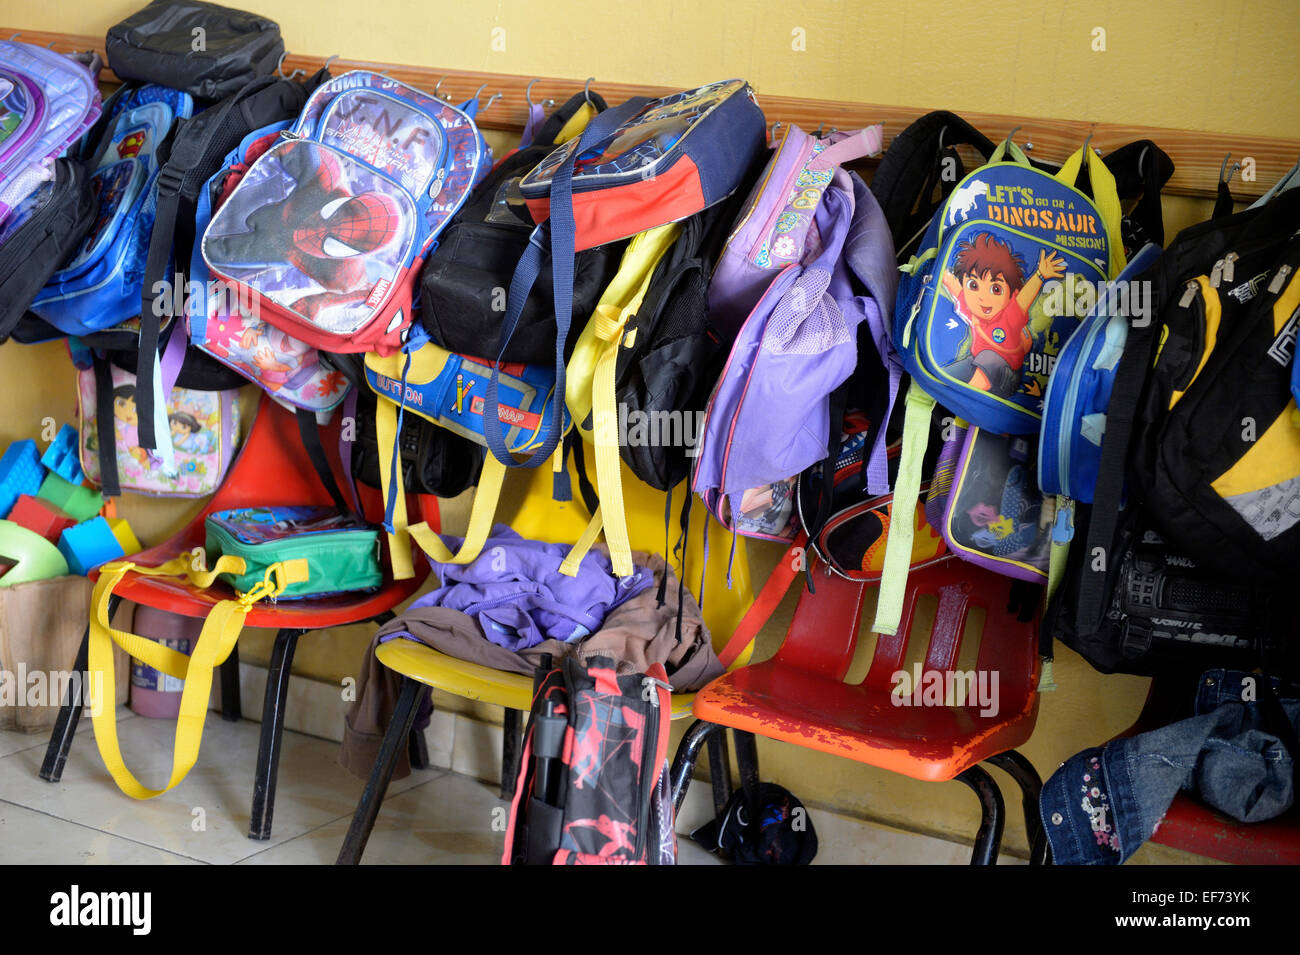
[1074, 409]
[100, 286]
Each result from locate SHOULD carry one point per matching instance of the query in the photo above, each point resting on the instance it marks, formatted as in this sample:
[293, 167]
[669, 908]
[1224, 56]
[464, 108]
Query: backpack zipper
[1189, 293]
[1279, 279]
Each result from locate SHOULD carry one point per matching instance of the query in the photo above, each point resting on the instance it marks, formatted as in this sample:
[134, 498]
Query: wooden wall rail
[1197, 156]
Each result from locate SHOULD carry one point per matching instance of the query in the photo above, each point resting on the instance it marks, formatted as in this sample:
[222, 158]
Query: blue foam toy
[62, 456]
[20, 473]
[88, 545]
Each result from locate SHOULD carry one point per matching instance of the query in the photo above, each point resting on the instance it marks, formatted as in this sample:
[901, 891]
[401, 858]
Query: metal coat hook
[1142, 158]
[279, 68]
[528, 93]
[492, 99]
[1224, 166]
[329, 59]
[478, 92]
[15, 36]
[775, 127]
[438, 95]
[1010, 136]
[50, 45]
[586, 89]
[820, 127]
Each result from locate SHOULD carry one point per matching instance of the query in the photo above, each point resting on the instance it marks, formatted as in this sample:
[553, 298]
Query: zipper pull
[1279, 279]
[648, 684]
[1063, 526]
[1229, 266]
[1188, 294]
[1216, 275]
[288, 134]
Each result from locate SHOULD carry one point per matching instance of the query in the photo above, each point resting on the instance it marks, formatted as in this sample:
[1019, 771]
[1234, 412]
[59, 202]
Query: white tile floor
[432, 816]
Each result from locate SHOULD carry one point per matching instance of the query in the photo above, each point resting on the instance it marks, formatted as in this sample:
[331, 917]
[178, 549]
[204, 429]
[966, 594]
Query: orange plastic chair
[1192, 826]
[272, 468]
[799, 695]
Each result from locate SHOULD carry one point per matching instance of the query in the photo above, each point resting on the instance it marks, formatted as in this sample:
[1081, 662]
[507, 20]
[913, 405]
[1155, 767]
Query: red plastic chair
[1191, 826]
[272, 468]
[799, 695]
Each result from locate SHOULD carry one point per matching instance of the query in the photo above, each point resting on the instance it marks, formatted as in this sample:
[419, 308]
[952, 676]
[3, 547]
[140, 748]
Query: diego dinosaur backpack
[984, 309]
[328, 228]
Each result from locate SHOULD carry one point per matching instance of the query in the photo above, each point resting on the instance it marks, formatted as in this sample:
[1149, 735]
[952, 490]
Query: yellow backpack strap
[399, 539]
[217, 638]
[589, 385]
[486, 496]
[907, 488]
[1105, 196]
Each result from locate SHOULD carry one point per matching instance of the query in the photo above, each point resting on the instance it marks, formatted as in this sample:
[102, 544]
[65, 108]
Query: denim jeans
[1103, 803]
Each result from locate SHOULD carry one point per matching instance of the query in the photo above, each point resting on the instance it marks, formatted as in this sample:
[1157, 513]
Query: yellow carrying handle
[218, 637]
[1105, 196]
[590, 386]
[480, 520]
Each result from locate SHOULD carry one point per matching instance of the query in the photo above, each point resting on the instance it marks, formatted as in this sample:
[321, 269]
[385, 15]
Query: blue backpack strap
[561, 231]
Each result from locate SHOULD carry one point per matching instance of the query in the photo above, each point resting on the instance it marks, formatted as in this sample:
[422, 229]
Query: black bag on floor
[209, 51]
[771, 829]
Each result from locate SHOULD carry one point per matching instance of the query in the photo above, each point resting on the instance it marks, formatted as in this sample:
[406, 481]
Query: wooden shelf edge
[1197, 156]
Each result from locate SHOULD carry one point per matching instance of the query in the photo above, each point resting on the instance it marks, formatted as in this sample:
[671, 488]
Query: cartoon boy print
[188, 434]
[320, 228]
[990, 294]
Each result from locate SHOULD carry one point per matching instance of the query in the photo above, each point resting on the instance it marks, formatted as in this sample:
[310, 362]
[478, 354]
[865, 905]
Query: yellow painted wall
[1221, 66]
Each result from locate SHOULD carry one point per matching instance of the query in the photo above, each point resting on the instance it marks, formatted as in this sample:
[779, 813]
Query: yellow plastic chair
[527, 506]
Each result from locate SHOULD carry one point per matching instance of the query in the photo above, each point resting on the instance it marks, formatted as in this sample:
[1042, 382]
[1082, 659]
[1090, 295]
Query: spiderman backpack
[593, 785]
[329, 227]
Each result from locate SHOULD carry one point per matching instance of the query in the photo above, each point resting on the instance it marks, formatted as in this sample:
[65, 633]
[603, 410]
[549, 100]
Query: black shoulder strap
[309, 431]
[1141, 169]
[106, 433]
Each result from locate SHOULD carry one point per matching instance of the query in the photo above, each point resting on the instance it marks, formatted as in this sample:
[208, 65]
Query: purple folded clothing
[515, 590]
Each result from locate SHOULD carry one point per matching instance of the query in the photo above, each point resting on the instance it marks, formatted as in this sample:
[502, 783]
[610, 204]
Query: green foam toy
[79, 503]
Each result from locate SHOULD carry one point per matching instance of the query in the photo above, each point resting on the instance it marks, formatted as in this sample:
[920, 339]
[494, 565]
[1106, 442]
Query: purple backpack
[774, 227]
[769, 415]
[48, 100]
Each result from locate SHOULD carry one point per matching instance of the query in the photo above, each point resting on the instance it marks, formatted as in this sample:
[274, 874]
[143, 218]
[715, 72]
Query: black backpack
[672, 354]
[433, 460]
[1191, 569]
[40, 236]
[465, 278]
[209, 51]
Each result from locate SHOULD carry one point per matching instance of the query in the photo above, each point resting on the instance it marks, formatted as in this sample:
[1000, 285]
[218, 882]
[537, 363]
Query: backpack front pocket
[321, 236]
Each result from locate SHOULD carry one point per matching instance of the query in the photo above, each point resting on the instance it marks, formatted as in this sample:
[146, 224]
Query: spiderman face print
[319, 231]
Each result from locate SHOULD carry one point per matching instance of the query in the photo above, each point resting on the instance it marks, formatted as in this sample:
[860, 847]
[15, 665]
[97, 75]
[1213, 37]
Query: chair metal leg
[688, 751]
[231, 706]
[268, 751]
[747, 761]
[65, 725]
[511, 747]
[363, 819]
[1031, 787]
[989, 838]
[720, 771]
[417, 750]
